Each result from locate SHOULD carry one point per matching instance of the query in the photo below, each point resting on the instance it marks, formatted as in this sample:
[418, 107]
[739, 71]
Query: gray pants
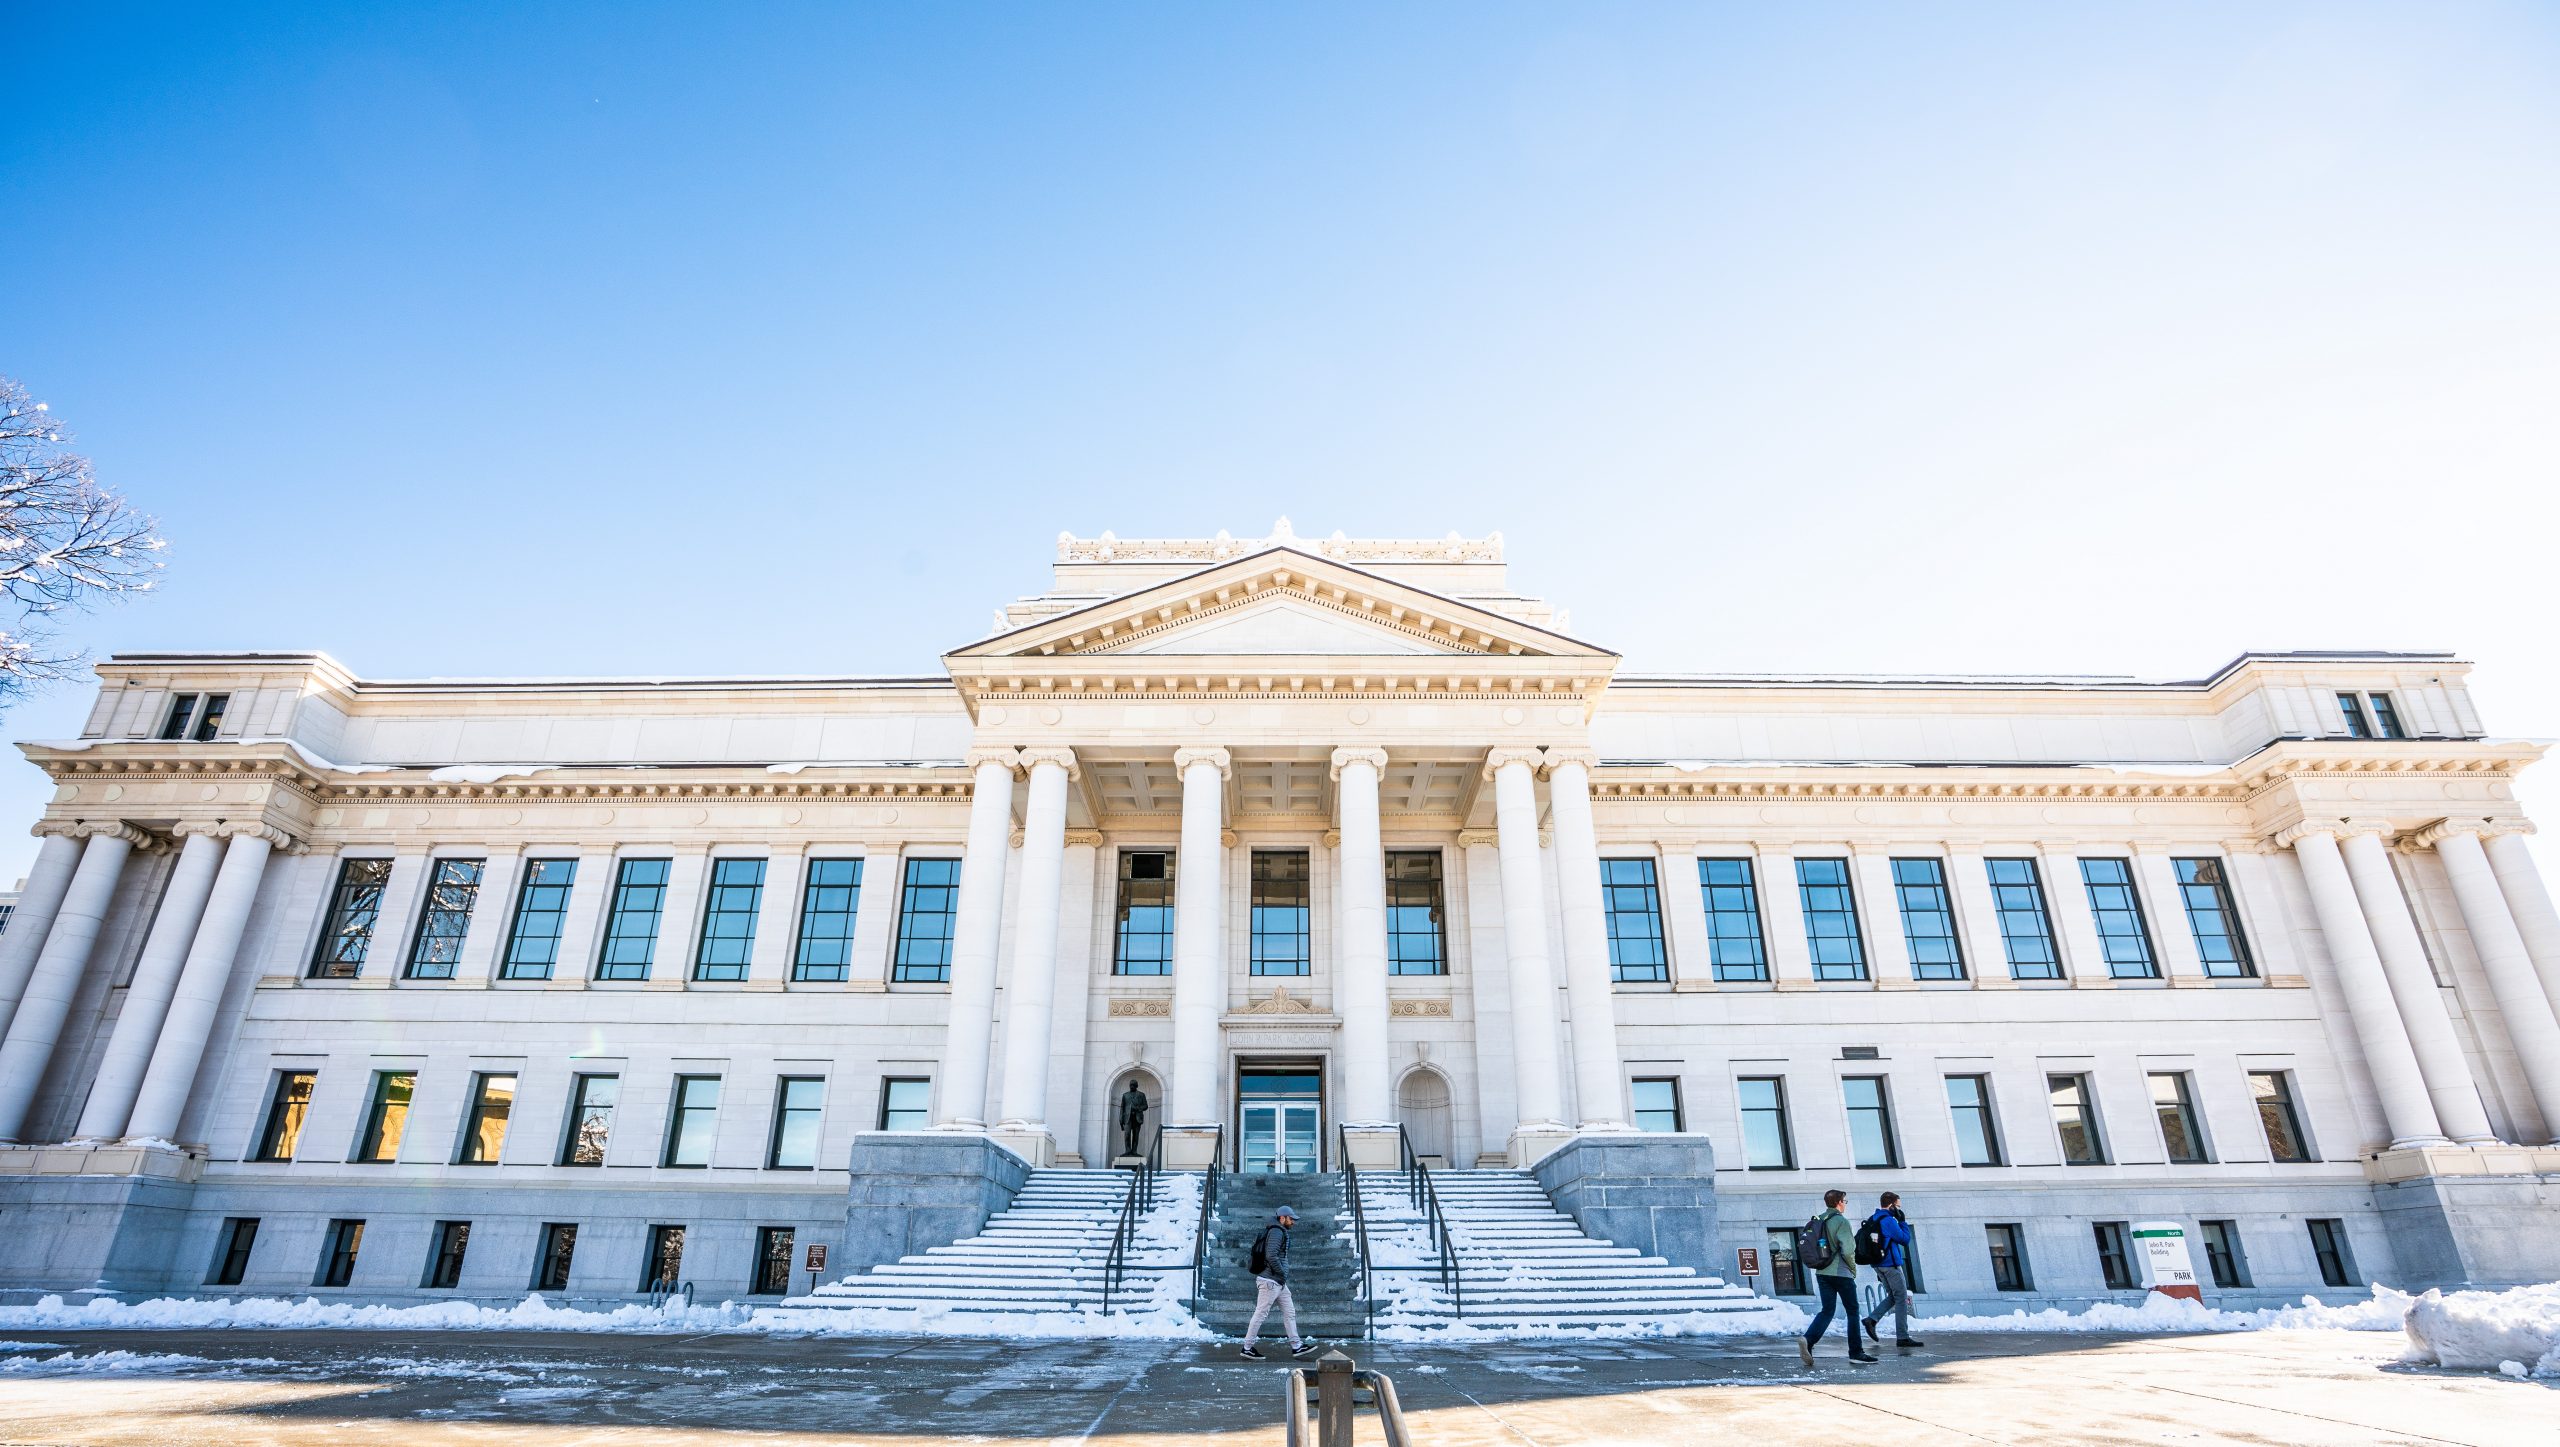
[1897, 1299]
[1265, 1292]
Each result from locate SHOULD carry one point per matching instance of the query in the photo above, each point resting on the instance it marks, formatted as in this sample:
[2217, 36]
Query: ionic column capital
[130, 833]
[1212, 754]
[981, 755]
[1498, 759]
[1559, 756]
[1479, 839]
[1058, 754]
[282, 842]
[1350, 754]
[1088, 838]
[2481, 829]
[2294, 834]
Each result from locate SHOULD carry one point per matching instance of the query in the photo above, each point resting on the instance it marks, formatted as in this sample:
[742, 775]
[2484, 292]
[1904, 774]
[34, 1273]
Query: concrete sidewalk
[311, 1387]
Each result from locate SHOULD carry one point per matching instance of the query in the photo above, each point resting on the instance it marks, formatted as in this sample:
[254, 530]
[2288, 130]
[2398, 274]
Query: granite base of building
[79, 1219]
[2471, 1217]
[1656, 1193]
[915, 1190]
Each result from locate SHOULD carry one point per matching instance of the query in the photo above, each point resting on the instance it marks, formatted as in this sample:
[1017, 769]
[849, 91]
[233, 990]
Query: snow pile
[119, 1364]
[1775, 1317]
[1165, 1322]
[2158, 1312]
[2511, 1332]
[276, 1314]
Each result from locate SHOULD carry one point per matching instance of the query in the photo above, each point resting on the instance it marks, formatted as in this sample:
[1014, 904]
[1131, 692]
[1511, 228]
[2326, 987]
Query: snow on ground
[2167, 1313]
[2513, 1332]
[122, 1364]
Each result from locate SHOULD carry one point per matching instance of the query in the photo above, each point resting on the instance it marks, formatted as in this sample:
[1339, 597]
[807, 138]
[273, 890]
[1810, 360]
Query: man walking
[1271, 1283]
[1893, 1235]
[1831, 1246]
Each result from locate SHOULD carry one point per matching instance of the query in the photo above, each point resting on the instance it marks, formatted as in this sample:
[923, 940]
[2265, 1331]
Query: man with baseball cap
[1271, 1283]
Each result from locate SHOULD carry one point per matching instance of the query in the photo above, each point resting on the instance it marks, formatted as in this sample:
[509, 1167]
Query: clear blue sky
[619, 338]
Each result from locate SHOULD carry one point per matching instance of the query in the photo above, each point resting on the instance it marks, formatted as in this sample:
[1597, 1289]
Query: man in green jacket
[1837, 1279]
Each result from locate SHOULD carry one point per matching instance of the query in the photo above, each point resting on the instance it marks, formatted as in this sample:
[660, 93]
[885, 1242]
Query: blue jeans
[1839, 1293]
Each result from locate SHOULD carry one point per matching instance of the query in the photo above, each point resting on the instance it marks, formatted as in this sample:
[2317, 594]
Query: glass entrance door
[1282, 1118]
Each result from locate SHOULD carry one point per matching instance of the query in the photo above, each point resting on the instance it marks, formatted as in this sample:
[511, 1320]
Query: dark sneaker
[1907, 1344]
[1304, 1349]
[1251, 1354]
[1804, 1349]
[1862, 1359]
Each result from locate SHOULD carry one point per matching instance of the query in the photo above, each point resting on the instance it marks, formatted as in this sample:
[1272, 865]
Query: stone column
[1782, 918]
[493, 917]
[56, 978]
[2075, 927]
[1360, 941]
[1986, 955]
[1199, 976]
[2413, 983]
[2527, 900]
[778, 918]
[56, 858]
[2173, 934]
[1599, 1082]
[1880, 916]
[2531, 1026]
[966, 1043]
[2388, 1058]
[162, 1101]
[1023, 1124]
[155, 980]
[1524, 940]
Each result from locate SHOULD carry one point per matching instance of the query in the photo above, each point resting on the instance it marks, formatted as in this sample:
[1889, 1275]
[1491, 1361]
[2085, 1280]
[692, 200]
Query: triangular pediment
[1280, 625]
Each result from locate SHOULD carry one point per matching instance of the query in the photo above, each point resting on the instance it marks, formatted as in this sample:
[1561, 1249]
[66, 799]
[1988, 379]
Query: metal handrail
[1208, 1206]
[1359, 1224]
[1426, 1198]
[1382, 1395]
[1115, 1266]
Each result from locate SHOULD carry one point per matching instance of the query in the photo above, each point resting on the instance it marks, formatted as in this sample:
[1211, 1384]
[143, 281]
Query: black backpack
[1261, 1262]
[1870, 1243]
[1813, 1245]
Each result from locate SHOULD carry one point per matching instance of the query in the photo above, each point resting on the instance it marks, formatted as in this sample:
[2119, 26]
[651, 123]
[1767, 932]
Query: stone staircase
[1323, 1268]
[1042, 1256]
[1523, 1264]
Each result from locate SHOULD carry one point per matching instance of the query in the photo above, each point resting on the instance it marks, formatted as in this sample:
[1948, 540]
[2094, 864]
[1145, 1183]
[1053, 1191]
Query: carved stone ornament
[1064, 758]
[1347, 755]
[982, 755]
[1141, 1008]
[1495, 760]
[1281, 1002]
[1419, 1009]
[1183, 759]
[1558, 757]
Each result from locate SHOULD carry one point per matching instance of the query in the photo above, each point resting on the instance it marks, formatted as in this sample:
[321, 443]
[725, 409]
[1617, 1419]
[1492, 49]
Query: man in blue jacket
[1895, 1231]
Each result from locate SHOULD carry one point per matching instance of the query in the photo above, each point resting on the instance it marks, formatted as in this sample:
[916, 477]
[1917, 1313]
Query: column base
[1189, 1147]
[1373, 1147]
[1535, 1141]
[1029, 1140]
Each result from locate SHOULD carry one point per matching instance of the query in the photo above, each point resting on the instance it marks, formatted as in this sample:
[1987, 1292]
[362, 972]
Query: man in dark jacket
[1837, 1279]
[1893, 1272]
[1271, 1283]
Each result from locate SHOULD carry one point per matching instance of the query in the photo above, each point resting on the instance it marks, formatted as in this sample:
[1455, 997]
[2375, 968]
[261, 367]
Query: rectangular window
[1928, 919]
[2075, 1116]
[829, 901]
[182, 711]
[1631, 902]
[2026, 928]
[692, 1121]
[231, 1257]
[631, 926]
[773, 1261]
[2122, 938]
[1870, 1121]
[591, 1101]
[2386, 719]
[1767, 1144]
[2222, 1254]
[1786, 1278]
[1415, 942]
[453, 886]
[2114, 1262]
[2173, 1100]
[2351, 709]
[353, 907]
[2328, 1247]
[1657, 1103]
[2009, 1258]
[1831, 919]
[664, 1269]
[2273, 1091]
[1735, 946]
[218, 704]
[444, 1256]
[798, 1104]
[493, 1100]
[387, 1118]
[285, 1110]
[1977, 1132]
[926, 914]
[906, 1102]
[1280, 913]
[551, 1262]
[338, 1253]
[2204, 886]
[729, 919]
[1143, 932]
[542, 910]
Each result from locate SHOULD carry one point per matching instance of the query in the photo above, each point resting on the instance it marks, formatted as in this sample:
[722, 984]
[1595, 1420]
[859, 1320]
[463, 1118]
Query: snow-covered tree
[65, 542]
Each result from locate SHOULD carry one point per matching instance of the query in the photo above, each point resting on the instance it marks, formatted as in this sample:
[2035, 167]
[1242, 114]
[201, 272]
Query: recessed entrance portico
[1279, 1117]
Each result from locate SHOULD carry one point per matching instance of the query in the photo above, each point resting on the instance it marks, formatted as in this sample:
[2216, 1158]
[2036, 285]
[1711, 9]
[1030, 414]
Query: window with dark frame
[591, 1102]
[209, 723]
[2204, 887]
[774, 1247]
[453, 887]
[906, 1102]
[444, 1258]
[1656, 1099]
[1142, 929]
[1416, 914]
[542, 911]
[338, 1253]
[558, 1252]
[632, 917]
[663, 1268]
[286, 1106]
[1631, 904]
[799, 1103]
[2123, 939]
[1767, 1144]
[1831, 919]
[2115, 1263]
[484, 1131]
[2351, 709]
[386, 1117]
[355, 905]
[1735, 945]
[928, 911]
[2223, 1256]
[2075, 1118]
[1928, 919]
[692, 1121]
[2026, 926]
[1871, 1139]
[730, 906]
[1786, 1276]
[2328, 1248]
[830, 901]
[2386, 719]
[1977, 1130]
[1279, 924]
[182, 709]
[2181, 1131]
[2008, 1257]
[2273, 1092]
[231, 1260]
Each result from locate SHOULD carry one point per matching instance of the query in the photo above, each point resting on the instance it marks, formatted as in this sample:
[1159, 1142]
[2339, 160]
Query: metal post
[1333, 1400]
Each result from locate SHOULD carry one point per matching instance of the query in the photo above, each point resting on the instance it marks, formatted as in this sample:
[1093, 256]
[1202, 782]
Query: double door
[1280, 1119]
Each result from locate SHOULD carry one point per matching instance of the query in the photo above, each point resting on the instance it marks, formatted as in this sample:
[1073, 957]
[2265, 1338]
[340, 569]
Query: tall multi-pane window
[231, 1258]
[552, 1259]
[1767, 1144]
[354, 908]
[1928, 919]
[453, 887]
[2386, 719]
[1631, 903]
[2222, 1254]
[631, 924]
[444, 1256]
[1871, 1141]
[591, 1102]
[829, 901]
[2273, 1092]
[2173, 1100]
[2351, 708]
[692, 1120]
[209, 723]
[2026, 928]
[729, 919]
[928, 911]
[774, 1245]
[1977, 1133]
[663, 1267]
[542, 911]
[286, 1108]
[484, 1133]
[2204, 886]
[798, 1104]
[1657, 1102]
[2009, 1258]
[1280, 912]
[906, 1102]
[2118, 905]
[1142, 937]
[1416, 942]
[2075, 1119]
[2328, 1247]
[1831, 919]
[338, 1253]
[1735, 945]
[386, 1118]
[2115, 1263]
[182, 710]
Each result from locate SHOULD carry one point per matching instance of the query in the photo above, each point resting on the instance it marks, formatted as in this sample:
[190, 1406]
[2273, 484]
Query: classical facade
[323, 983]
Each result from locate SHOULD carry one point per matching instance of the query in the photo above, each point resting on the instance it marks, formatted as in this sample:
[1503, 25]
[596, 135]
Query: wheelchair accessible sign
[2166, 1267]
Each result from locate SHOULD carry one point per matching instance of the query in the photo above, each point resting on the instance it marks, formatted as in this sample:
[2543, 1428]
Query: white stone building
[1297, 835]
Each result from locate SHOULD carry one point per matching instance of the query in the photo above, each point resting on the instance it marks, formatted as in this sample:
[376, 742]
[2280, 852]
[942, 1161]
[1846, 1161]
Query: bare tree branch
[66, 543]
